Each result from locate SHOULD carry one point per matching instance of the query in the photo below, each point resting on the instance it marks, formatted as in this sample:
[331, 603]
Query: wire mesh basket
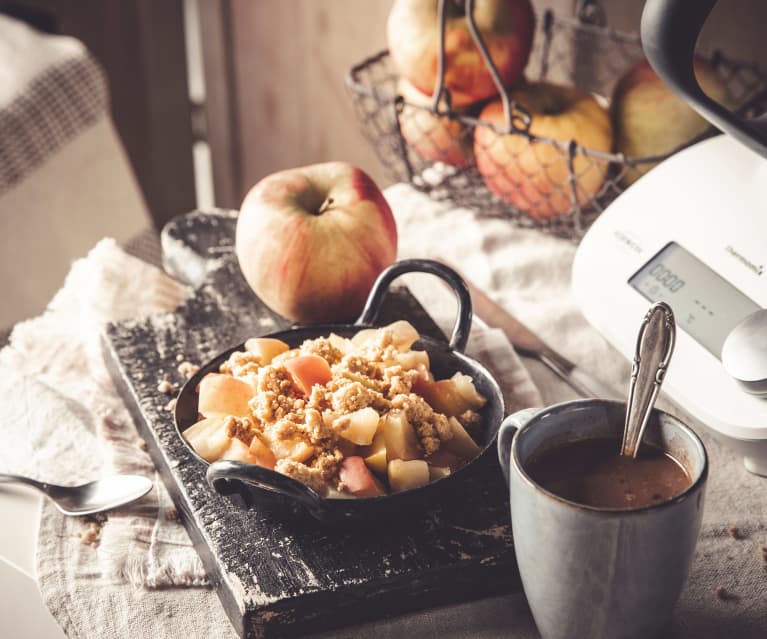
[560, 186]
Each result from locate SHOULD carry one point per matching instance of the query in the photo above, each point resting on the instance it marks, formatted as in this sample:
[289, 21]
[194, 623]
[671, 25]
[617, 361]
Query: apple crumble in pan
[348, 417]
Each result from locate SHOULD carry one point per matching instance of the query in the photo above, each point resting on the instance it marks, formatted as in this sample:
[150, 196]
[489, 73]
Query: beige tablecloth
[529, 273]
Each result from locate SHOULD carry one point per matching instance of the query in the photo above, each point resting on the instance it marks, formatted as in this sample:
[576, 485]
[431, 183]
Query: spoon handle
[18, 479]
[655, 344]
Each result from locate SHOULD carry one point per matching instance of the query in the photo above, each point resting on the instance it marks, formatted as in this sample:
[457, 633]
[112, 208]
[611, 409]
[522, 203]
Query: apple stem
[325, 206]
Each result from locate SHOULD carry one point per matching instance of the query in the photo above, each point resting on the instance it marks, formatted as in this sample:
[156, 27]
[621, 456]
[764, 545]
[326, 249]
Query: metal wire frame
[566, 49]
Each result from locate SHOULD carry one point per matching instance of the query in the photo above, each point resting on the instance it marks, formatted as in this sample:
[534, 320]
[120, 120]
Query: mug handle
[462, 328]
[506, 433]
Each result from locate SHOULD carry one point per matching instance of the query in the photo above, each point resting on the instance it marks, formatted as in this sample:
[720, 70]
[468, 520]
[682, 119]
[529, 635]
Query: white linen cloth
[524, 270]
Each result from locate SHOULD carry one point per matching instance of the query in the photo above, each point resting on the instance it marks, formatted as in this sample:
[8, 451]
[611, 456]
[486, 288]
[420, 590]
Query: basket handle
[517, 117]
[669, 31]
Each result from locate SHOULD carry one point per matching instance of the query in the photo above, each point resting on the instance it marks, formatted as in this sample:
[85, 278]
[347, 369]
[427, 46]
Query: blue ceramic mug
[599, 573]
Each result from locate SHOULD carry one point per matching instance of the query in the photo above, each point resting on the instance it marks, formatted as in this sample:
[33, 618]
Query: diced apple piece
[308, 370]
[400, 438]
[438, 472]
[413, 359]
[377, 462]
[464, 385]
[375, 454]
[358, 479]
[238, 451]
[265, 348]
[443, 397]
[365, 336]
[294, 449]
[224, 395]
[444, 458]
[404, 334]
[359, 426]
[208, 438]
[404, 475]
[461, 443]
[341, 343]
[262, 454]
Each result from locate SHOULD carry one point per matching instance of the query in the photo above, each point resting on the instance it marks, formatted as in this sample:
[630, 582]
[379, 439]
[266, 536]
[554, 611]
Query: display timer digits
[667, 278]
[705, 305]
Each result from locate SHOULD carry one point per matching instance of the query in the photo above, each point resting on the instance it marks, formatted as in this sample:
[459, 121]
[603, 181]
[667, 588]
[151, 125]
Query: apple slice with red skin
[308, 370]
[357, 478]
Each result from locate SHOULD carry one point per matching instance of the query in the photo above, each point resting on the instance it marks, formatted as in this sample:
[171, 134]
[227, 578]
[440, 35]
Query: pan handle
[460, 334]
[224, 477]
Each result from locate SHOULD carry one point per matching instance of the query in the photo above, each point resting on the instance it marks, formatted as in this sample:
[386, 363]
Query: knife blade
[528, 344]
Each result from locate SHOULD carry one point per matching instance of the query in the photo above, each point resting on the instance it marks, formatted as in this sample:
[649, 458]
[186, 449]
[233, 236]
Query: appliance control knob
[744, 354]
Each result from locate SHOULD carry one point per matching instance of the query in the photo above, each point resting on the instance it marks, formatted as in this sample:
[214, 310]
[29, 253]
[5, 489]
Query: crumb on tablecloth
[735, 533]
[724, 595]
[91, 535]
[141, 443]
[171, 405]
[171, 514]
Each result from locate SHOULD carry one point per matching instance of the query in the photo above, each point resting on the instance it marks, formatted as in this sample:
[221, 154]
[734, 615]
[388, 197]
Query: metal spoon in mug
[93, 497]
[655, 344]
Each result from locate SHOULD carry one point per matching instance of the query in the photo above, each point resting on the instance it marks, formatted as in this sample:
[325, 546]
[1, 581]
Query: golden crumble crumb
[242, 428]
[171, 514]
[322, 347]
[240, 364]
[180, 358]
[91, 535]
[171, 405]
[141, 443]
[312, 477]
[187, 369]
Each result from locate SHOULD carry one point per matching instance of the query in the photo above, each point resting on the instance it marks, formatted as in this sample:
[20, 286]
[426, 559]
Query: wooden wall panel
[289, 66]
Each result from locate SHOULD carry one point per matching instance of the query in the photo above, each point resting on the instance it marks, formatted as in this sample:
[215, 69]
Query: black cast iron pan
[248, 483]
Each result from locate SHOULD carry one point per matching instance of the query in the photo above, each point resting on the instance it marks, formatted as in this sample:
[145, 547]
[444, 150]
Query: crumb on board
[187, 369]
[165, 387]
[180, 358]
[171, 514]
[735, 533]
[141, 443]
[725, 595]
[171, 405]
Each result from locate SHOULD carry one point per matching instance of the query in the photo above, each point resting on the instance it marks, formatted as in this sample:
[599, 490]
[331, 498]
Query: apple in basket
[433, 137]
[650, 119]
[531, 173]
[506, 26]
[311, 241]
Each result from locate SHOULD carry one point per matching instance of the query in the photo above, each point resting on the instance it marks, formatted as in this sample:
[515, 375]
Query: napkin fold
[67, 424]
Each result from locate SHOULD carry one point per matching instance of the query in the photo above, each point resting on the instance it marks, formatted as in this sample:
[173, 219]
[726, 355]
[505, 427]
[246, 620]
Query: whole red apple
[533, 174]
[311, 241]
[506, 27]
[650, 119]
[433, 137]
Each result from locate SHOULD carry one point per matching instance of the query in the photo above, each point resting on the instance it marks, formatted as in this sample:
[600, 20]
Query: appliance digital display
[705, 305]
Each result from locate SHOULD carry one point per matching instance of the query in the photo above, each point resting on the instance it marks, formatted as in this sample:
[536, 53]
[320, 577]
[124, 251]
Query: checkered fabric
[59, 103]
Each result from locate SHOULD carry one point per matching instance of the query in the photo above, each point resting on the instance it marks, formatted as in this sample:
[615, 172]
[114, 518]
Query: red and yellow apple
[433, 137]
[531, 173]
[506, 26]
[311, 241]
[649, 119]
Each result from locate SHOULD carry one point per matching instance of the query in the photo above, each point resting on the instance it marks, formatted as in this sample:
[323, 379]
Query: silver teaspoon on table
[93, 497]
[655, 344]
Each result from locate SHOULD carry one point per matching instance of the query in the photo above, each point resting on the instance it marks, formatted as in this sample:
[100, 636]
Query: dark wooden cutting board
[277, 571]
